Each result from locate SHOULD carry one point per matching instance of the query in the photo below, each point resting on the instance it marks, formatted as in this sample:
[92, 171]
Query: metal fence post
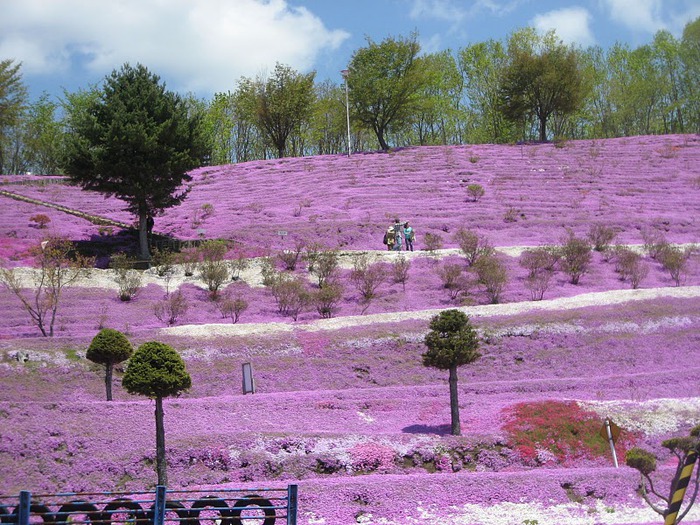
[25, 505]
[159, 506]
[292, 504]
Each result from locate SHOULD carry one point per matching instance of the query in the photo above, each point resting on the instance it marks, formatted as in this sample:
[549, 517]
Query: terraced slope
[344, 406]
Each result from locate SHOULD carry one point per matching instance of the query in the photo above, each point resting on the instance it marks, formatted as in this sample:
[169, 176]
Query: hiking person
[390, 238]
[409, 235]
[397, 235]
[397, 241]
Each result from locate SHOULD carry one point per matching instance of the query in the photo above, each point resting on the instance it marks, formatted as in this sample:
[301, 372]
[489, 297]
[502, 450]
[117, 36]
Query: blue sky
[205, 46]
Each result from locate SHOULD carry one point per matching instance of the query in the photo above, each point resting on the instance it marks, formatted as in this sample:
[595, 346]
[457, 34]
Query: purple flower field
[344, 407]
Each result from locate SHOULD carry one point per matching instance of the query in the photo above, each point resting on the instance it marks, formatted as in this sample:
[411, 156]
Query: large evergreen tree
[135, 141]
[156, 371]
[452, 342]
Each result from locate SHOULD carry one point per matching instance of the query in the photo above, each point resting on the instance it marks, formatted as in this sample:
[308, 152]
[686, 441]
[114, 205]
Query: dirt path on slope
[563, 303]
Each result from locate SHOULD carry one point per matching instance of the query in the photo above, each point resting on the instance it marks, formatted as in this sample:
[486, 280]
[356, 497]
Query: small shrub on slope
[371, 457]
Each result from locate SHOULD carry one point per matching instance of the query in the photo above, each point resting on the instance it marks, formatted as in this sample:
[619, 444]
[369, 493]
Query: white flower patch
[516, 513]
[365, 417]
[312, 519]
[653, 417]
[649, 326]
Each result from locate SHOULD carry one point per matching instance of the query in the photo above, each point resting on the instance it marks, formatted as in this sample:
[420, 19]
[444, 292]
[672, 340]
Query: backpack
[384, 240]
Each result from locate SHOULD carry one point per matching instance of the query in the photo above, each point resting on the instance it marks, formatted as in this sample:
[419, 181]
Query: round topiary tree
[452, 342]
[156, 370]
[109, 347]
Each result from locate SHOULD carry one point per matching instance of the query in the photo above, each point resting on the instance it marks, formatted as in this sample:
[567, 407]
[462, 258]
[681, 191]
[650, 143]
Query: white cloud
[445, 10]
[572, 25]
[637, 15]
[203, 45]
[455, 11]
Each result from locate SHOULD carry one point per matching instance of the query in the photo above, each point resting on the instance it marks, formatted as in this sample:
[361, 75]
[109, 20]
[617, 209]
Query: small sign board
[282, 233]
[614, 431]
[248, 381]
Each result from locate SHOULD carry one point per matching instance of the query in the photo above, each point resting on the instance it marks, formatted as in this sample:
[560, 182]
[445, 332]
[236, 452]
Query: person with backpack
[409, 235]
[390, 238]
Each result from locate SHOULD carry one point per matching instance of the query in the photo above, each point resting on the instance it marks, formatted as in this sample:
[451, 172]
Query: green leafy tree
[452, 342]
[283, 102]
[385, 81]
[157, 371]
[328, 132]
[690, 56]
[686, 450]
[56, 268]
[13, 98]
[42, 137]
[436, 119]
[109, 347]
[538, 83]
[136, 141]
[219, 126]
[249, 142]
[481, 65]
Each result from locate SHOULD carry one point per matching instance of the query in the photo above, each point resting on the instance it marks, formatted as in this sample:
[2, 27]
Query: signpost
[248, 381]
[611, 432]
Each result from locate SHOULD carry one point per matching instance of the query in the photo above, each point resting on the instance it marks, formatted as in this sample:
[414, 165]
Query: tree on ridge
[135, 141]
[452, 342]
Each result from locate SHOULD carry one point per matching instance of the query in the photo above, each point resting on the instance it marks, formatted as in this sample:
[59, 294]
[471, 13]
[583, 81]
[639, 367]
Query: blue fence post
[159, 507]
[25, 505]
[292, 504]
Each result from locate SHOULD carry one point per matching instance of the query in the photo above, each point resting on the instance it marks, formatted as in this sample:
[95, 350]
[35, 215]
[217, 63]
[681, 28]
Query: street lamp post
[345, 73]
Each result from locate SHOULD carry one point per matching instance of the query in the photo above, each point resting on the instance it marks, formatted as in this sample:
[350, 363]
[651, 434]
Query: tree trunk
[454, 402]
[108, 380]
[380, 138]
[543, 129]
[143, 236]
[161, 466]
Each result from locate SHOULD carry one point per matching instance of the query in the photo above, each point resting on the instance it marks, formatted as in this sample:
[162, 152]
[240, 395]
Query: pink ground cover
[351, 414]
[627, 183]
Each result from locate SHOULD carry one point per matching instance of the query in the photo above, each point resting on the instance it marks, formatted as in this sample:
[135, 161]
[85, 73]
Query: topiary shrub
[156, 371]
[108, 348]
[451, 342]
[686, 450]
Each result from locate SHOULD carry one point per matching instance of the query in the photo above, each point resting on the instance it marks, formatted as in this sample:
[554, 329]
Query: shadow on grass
[441, 430]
